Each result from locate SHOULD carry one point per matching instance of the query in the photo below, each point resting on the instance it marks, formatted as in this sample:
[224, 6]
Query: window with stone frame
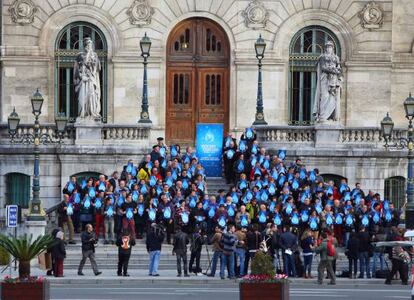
[394, 190]
[68, 45]
[306, 47]
[18, 189]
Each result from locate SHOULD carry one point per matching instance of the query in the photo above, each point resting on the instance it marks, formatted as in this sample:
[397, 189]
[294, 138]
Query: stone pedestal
[35, 228]
[88, 132]
[327, 135]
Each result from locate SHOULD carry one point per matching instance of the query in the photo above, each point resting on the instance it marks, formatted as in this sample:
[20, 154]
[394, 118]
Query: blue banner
[209, 142]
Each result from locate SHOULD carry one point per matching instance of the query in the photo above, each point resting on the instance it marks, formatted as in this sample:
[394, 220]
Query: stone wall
[378, 62]
[58, 164]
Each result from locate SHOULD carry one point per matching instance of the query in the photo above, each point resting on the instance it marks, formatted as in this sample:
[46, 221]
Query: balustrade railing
[110, 133]
[125, 132]
[287, 134]
[362, 136]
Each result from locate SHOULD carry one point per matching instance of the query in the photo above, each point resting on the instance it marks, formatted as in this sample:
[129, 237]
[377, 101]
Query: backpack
[330, 248]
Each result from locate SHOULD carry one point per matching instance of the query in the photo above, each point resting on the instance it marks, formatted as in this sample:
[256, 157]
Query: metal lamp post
[387, 126]
[145, 45]
[36, 138]
[259, 47]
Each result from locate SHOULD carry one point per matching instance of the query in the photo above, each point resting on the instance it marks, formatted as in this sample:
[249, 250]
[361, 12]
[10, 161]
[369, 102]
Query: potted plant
[25, 287]
[263, 283]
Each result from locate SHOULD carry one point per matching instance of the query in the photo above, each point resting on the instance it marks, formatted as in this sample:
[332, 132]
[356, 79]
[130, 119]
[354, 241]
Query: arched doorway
[198, 55]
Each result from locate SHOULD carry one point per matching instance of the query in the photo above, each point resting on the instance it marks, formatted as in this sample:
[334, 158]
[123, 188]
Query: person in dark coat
[49, 250]
[198, 240]
[352, 252]
[180, 250]
[155, 237]
[88, 250]
[58, 254]
[124, 243]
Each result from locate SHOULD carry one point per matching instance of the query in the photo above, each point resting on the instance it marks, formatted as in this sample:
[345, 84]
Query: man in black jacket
[180, 249]
[88, 250]
[124, 243]
[154, 241]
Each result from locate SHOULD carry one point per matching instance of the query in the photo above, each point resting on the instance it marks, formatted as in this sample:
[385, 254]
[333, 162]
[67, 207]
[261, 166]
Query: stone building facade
[202, 68]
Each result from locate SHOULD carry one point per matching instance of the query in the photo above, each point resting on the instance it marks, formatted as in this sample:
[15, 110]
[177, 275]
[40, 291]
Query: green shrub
[262, 264]
[4, 257]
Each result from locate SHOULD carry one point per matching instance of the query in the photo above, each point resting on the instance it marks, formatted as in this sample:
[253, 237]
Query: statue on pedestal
[86, 81]
[328, 88]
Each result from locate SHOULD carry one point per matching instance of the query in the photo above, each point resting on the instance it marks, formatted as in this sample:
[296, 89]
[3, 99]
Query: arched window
[306, 47]
[394, 190]
[85, 176]
[68, 45]
[334, 177]
[18, 189]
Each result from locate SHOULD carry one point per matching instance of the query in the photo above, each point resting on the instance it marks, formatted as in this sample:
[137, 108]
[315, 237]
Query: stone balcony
[111, 136]
[317, 137]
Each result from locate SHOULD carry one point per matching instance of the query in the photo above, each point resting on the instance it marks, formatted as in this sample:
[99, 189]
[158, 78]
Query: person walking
[307, 244]
[217, 249]
[124, 242]
[180, 250]
[65, 212]
[352, 252]
[326, 256]
[88, 250]
[58, 254]
[400, 261]
[154, 240]
[229, 245]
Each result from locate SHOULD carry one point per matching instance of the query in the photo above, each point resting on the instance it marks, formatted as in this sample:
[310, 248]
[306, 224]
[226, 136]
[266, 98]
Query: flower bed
[31, 288]
[264, 287]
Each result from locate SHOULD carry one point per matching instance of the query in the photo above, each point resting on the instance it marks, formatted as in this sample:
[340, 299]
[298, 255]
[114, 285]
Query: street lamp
[387, 126]
[145, 45]
[36, 138]
[259, 47]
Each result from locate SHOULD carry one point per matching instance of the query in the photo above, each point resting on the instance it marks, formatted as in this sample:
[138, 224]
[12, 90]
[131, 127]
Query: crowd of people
[285, 205]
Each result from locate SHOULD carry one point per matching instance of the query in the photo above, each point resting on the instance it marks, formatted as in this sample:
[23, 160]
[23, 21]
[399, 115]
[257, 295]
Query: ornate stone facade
[22, 12]
[140, 13]
[255, 15]
[378, 75]
[371, 16]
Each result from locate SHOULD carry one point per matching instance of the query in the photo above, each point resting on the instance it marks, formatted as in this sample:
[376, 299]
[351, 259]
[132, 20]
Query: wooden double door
[197, 78]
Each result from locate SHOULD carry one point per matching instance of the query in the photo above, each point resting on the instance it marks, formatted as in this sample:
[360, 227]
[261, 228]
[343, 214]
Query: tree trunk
[24, 269]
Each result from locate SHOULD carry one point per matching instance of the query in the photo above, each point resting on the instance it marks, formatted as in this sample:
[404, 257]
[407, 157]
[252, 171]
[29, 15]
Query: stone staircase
[216, 183]
[107, 255]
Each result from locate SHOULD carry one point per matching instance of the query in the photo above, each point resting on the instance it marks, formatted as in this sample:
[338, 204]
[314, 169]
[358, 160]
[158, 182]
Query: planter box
[264, 291]
[25, 291]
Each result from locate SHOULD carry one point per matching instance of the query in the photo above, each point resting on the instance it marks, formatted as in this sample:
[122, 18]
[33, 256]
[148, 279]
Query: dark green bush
[262, 264]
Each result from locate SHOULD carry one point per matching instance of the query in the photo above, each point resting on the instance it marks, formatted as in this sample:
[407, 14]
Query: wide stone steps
[107, 257]
[216, 183]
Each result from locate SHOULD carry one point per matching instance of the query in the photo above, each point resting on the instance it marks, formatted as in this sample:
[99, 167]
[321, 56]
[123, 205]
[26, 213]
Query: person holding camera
[197, 242]
[155, 237]
[88, 250]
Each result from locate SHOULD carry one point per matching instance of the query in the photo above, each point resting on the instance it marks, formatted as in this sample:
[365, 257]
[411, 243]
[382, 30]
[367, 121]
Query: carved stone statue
[86, 81]
[328, 88]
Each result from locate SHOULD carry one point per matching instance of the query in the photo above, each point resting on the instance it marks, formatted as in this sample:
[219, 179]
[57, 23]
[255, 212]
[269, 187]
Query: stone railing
[286, 134]
[110, 133]
[47, 130]
[306, 135]
[125, 133]
[369, 135]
